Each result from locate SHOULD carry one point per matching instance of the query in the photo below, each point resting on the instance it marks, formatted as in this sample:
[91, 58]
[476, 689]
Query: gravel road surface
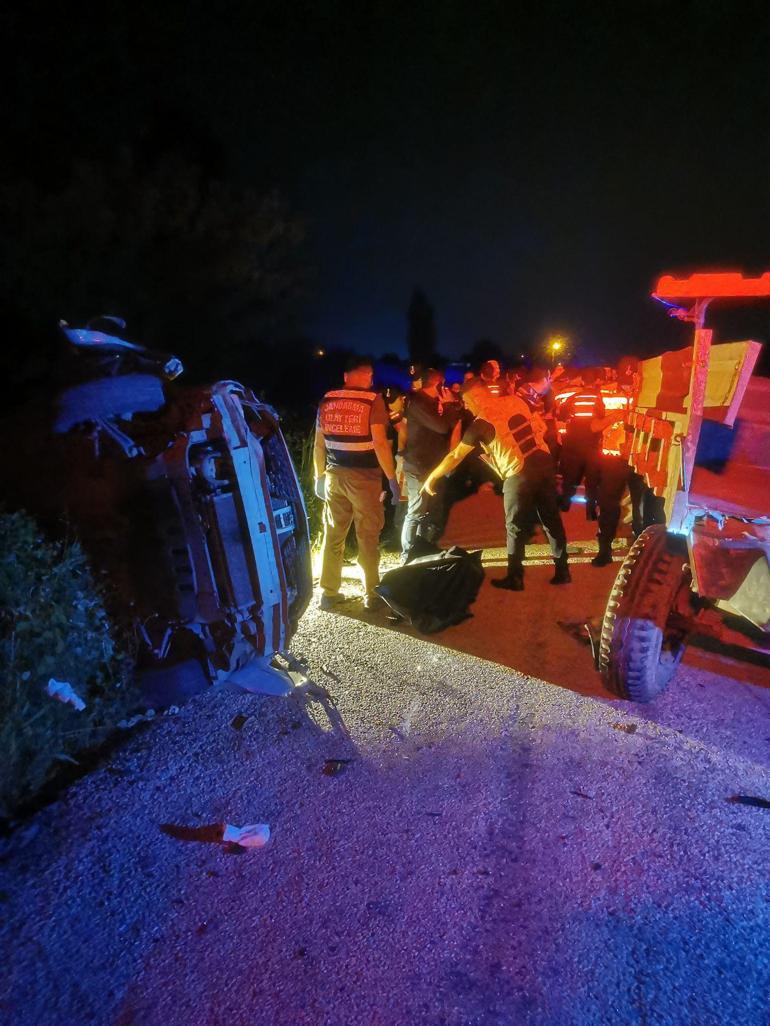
[498, 849]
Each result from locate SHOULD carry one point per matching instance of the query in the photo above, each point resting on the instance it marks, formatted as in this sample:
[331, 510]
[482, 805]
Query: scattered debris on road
[577, 629]
[747, 799]
[627, 728]
[238, 722]
[333, 767]
[253, 835]
[63, 691]
[132, 721]
[210, 833]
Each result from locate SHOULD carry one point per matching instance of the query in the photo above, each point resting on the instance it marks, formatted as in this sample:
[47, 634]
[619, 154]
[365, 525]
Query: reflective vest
[519, 432]
[614, 436]
[581, 409]
[344, 418]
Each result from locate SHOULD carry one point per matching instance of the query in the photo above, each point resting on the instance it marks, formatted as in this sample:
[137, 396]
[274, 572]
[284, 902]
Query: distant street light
[319, 352]
[555, 345]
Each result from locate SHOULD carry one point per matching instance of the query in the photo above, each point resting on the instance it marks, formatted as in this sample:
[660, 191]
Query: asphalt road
[499, 849]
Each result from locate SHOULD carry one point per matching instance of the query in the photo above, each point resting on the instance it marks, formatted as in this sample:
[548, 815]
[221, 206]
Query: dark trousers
[646, 507]
[578, 462]
[425, 514]
[612, 477]
[528, 497]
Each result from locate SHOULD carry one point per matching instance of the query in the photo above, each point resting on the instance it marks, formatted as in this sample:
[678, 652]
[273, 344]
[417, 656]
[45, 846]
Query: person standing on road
[350, 454]
[581, 445]
[429, 425]
[611, 472]
[489, 375]
[512, 433]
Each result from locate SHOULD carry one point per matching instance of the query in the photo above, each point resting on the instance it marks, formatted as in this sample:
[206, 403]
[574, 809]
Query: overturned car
[186, 502]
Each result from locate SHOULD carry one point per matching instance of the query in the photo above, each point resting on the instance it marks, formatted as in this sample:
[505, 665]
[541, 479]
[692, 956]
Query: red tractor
[698, 434]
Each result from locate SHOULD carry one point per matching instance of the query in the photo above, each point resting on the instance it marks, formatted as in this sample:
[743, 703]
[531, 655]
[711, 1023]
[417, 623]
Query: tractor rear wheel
[643, 640]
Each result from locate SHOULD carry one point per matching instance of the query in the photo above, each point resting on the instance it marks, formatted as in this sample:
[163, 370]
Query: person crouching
[512, 431]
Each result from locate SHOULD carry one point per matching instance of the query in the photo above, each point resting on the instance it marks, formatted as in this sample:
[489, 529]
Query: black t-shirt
[428, 430]
[478, 431]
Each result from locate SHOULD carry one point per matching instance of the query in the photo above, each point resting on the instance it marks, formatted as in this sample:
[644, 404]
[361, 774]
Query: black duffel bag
[434, 591]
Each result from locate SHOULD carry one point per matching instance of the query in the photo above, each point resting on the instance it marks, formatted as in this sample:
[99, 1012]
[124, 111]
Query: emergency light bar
[717, 285]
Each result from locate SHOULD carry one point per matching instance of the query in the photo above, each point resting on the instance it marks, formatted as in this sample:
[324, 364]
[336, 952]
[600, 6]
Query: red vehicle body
[699, 435]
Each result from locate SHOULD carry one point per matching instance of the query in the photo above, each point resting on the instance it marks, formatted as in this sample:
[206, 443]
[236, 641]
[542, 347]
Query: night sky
[532, 167]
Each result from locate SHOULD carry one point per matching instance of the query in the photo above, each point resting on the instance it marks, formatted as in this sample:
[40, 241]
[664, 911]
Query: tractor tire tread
[638, 607]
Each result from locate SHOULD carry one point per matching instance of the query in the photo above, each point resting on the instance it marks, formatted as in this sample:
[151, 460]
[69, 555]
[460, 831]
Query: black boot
[514, 579]
[562, 575]
[604, 556]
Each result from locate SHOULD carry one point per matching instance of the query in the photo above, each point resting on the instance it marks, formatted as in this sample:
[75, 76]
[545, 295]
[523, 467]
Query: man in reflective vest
[351, 453]
[581, 445]
[611, 472]
[512, 433]
[489, 375]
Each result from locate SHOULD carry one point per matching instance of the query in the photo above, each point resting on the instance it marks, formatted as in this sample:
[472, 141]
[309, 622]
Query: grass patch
[53, 624]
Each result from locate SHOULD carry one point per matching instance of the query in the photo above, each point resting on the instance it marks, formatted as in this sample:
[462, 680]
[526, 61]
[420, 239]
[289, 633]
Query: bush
[53, 624]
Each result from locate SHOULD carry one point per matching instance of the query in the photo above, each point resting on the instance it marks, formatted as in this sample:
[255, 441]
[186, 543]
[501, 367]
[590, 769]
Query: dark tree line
[194, 264]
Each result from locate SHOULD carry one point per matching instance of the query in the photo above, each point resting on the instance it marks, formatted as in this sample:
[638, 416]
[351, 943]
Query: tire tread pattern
[631, 656]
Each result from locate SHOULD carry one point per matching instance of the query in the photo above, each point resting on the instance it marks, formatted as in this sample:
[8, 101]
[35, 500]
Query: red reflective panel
[726, 284]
